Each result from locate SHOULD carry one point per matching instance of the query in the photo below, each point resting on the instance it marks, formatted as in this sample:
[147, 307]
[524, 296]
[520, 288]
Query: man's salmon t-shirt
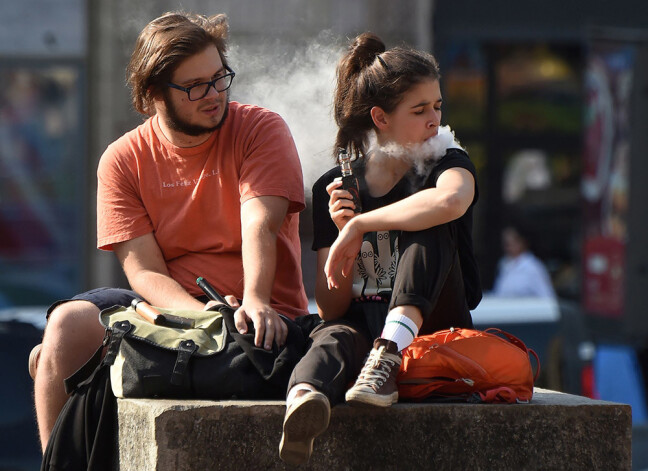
[190, 199]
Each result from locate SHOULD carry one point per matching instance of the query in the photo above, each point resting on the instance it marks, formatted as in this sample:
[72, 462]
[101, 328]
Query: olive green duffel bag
[211, 360]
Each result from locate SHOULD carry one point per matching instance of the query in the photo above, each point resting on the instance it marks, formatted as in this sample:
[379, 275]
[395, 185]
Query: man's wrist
[256, 298]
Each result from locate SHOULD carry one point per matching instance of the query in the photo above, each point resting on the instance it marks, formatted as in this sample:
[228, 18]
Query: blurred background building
[550, 101]
[549, 98]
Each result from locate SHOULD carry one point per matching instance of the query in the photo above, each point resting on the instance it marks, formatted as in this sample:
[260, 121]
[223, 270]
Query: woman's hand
[340, 204]
[343, 253]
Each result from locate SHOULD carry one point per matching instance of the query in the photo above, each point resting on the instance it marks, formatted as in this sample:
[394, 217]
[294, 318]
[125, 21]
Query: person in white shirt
[520, 273]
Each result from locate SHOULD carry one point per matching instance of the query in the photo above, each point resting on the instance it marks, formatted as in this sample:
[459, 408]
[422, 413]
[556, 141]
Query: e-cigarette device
[349, 181]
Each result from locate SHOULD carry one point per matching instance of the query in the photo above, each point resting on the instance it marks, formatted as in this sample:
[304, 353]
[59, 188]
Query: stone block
[555, 431]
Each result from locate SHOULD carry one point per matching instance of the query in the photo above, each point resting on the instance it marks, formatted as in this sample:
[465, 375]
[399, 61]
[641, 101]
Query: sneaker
[376, 384]
[34, 356]
[307, 416]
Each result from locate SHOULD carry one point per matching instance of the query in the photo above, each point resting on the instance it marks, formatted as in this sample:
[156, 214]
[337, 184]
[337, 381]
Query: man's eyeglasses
[200, 90]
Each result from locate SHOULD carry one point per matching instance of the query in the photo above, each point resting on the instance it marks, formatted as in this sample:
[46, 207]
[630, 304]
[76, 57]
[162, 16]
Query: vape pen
[349, 181]
[209, 290]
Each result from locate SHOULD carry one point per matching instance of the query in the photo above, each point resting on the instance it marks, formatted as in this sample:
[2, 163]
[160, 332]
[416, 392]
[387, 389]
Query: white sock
[399, 329]
[295, 389]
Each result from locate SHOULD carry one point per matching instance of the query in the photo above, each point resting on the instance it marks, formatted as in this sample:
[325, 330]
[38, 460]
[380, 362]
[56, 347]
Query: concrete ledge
[555, 431]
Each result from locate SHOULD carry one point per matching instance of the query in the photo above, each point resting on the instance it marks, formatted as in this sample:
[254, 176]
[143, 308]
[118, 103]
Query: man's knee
[72, 327]
[73, 314]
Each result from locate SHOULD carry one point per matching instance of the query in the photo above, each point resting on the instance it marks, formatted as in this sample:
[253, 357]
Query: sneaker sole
[308, 417]
[366, 399]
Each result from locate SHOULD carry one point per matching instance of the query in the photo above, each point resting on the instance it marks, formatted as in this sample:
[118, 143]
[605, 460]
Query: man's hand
[268, 326]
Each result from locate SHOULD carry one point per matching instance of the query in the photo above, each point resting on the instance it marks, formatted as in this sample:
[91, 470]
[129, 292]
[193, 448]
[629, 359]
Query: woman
[403, 265]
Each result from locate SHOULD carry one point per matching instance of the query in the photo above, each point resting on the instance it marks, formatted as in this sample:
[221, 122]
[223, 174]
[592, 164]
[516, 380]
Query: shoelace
[376, 369]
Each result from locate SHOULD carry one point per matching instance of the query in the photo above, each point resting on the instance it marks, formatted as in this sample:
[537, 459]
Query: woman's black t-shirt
[375, 266]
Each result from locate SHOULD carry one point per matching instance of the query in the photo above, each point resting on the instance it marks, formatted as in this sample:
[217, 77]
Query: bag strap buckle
[185, 351]
[119, 329]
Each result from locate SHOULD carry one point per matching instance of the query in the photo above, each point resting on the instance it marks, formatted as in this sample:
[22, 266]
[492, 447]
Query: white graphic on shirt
[192, 182]
[376, 263]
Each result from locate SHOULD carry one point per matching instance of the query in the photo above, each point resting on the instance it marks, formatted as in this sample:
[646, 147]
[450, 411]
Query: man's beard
[175, 122]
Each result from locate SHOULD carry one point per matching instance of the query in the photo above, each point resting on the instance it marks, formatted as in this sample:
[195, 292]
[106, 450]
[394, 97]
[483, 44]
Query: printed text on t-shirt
[183, 183]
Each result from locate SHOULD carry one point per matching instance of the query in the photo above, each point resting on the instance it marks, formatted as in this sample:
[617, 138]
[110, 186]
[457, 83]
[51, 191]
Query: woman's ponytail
[350, 115]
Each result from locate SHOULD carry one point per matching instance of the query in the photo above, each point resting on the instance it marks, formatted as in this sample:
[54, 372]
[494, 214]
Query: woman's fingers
[341, 203]
[348, 266]
[329, 269]
[333, 185]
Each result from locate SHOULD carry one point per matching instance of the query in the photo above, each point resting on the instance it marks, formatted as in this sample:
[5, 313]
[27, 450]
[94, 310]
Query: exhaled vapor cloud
[296, 81]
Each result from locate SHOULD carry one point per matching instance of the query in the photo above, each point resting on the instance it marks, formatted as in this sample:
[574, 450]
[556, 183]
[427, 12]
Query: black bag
[84, 435]
[209, 361]
[85, 431]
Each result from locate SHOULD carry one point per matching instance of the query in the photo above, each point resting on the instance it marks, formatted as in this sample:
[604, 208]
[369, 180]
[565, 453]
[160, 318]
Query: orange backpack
[471, 365]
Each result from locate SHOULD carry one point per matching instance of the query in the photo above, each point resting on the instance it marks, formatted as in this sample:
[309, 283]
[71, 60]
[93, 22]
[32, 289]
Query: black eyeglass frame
[211, 83]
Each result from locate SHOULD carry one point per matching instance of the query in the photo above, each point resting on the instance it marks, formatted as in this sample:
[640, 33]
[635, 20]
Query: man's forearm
[163, 291]
[261, 220]
[147, 273]
[259, 263]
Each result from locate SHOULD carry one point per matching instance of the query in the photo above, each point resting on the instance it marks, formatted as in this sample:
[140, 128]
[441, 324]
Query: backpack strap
[501, 394]
[537, 359]
[119, 329]
[511, 338]
[185, 350]
[112, 339]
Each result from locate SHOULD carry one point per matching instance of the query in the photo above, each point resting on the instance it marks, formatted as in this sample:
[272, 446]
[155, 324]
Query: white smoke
[418, 155]
[296, 81]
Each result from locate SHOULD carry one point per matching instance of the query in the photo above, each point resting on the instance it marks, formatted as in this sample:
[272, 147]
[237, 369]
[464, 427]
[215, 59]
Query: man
[204, 187]
[520, 272]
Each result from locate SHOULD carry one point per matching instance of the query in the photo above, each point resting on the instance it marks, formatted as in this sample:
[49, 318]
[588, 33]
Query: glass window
[538, 89]
[41, 182]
